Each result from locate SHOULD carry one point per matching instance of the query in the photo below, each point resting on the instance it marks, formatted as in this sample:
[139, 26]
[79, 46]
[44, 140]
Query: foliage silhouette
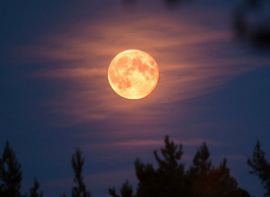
[11, 176]
[172, 4]
[77, 162]
[34, 190]
[126, 190]
[250, 23]
[260, 167]
[207, 180]
[170, 179]
[167, 179]
[10, 173]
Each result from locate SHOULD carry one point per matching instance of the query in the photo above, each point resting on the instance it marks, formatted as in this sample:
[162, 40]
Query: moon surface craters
[133, 74]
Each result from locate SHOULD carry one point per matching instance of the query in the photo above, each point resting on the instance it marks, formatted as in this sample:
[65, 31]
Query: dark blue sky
[55, 94]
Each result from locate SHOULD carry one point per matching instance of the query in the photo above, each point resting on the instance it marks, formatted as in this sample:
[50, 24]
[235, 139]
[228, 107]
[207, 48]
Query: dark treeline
[201, 179]
[169, 179]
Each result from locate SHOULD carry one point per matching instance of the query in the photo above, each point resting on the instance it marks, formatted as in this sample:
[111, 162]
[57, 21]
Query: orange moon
[133, 74]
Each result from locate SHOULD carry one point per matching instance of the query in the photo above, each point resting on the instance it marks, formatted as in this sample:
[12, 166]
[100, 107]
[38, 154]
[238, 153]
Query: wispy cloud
[136, 145]
[193, 59]
[71, 72]
[191, 142]
[129, 150]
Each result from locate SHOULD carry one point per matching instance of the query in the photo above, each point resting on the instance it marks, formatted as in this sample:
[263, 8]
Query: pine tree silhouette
[77, 165]
[260, 167]
[206, 180]
[34, 190]
[10, 174]
[77, 162]
[125, 191]
[170, 179]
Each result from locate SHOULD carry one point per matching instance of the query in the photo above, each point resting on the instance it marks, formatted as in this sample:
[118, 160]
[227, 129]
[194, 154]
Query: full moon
[133, 74]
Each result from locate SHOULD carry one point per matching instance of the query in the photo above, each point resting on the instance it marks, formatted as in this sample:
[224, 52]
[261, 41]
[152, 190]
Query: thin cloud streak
[137, 144]
[189, 56]
[191, 142]
[72, 73]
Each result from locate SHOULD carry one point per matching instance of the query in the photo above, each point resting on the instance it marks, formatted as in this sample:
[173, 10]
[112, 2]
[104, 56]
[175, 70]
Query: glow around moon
[133, 74]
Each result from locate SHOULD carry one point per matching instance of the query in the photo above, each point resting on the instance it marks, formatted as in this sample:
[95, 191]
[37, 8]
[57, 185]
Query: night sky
[55, 95]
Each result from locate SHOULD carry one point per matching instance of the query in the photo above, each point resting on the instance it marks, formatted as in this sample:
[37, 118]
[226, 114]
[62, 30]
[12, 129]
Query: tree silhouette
[258, 34]
[77, 162]
[206, 180]
[34, 190]
[125, 191]
[170, 179]
[167, 179]
[10, 174]
[260, 167]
